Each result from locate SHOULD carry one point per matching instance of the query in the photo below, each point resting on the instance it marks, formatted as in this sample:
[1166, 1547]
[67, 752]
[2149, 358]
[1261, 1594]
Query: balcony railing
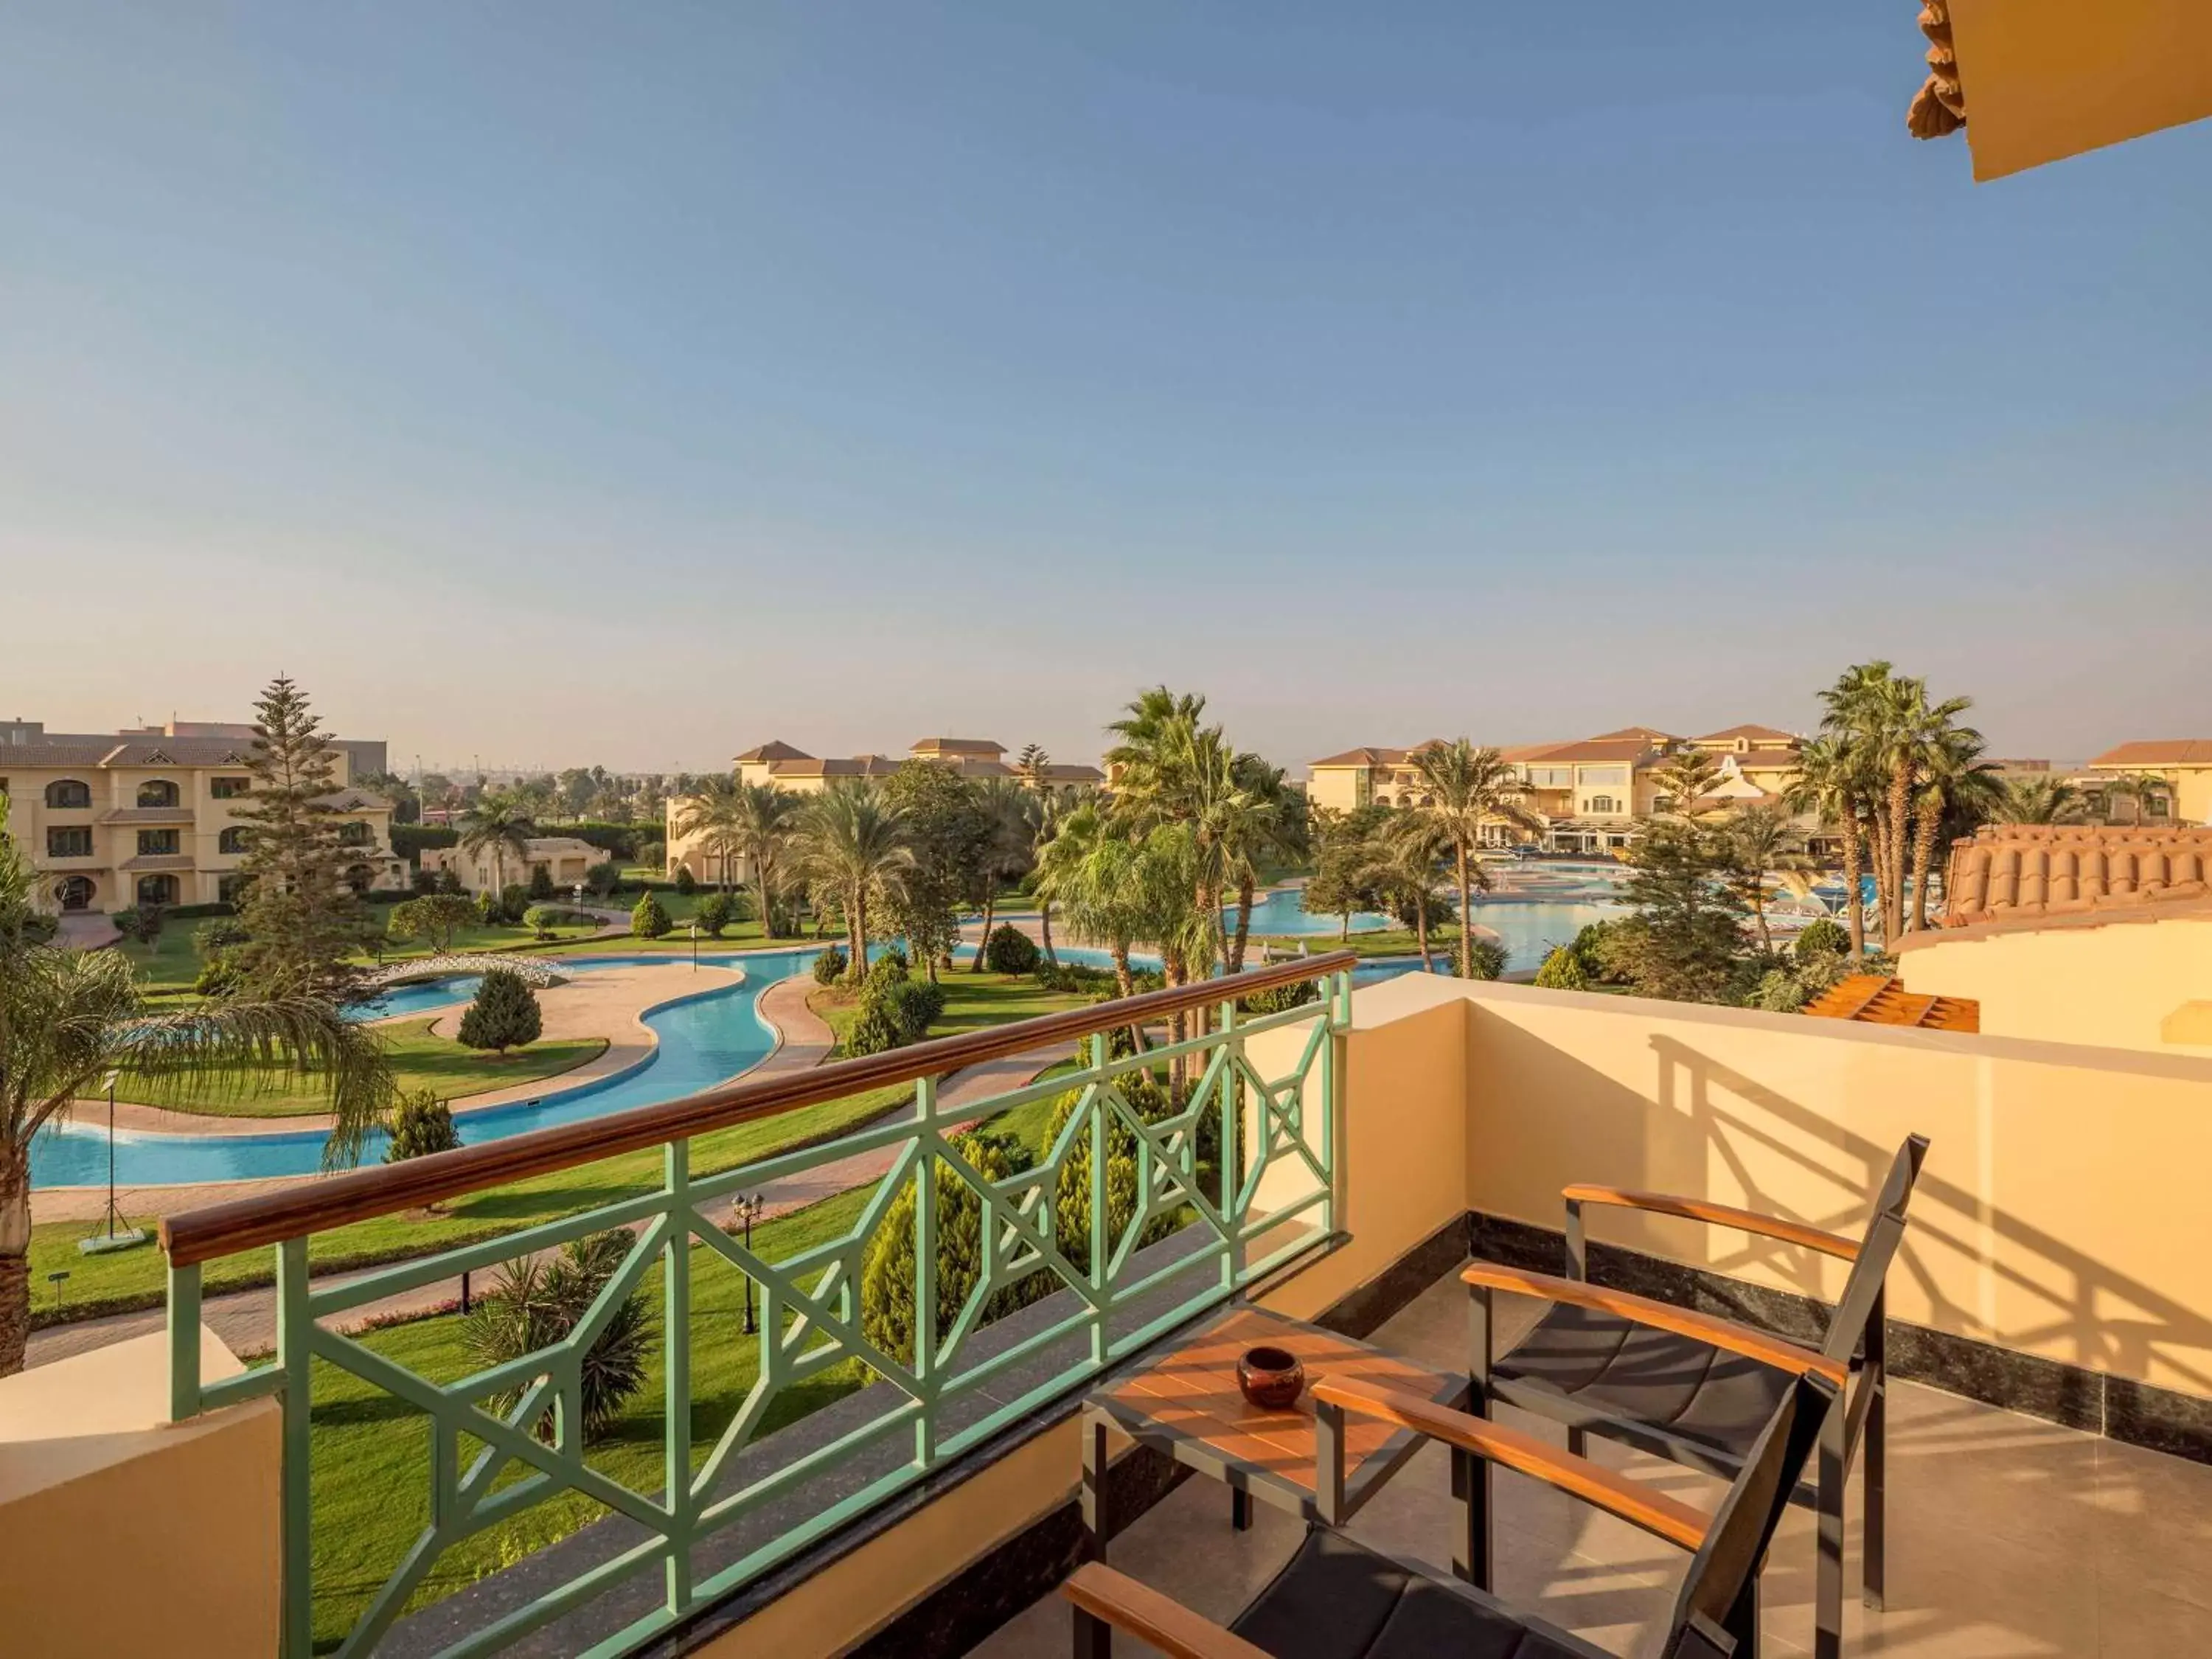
[1192, 1231]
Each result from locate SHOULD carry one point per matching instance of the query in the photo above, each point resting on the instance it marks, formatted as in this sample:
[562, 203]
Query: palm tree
[1896, 734]
[1763, 839]
[1007, 850]
[1833, 785]
[853, 841]
[1468, 788]
[761, 826]
[1094, 874]
[1686, 779]
[2038, 798]
[1274, 828]
[1956, 781]
[497, 823]
[716, 816]
[69, 1018]
[2136, 788]
[1404, 861]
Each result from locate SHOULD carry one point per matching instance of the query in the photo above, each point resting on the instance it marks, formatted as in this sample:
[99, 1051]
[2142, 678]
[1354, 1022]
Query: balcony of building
[843, 1488]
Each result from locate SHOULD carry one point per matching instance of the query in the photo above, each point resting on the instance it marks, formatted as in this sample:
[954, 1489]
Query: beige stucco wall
[2040, 1222]
[2118, 984]
[122, 1533]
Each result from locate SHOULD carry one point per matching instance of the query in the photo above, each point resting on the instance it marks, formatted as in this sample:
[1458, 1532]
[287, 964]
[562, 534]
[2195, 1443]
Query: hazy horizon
[561, 387]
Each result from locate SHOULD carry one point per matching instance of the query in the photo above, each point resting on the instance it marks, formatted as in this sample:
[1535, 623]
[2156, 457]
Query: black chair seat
[1336, 1600]
[1579, 1365]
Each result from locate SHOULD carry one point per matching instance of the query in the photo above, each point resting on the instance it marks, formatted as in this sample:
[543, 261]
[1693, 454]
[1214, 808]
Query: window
[231, 890]
[359, 876]
[1601, 804]
[1614, 775]
[157, 889]
[157, 843]
[2159, 806]
[352, 834]
[1662, 803]
[69, 843]
[1552, 777]
[159, 791]
[68, 794]
[231, 840]
[230, 788]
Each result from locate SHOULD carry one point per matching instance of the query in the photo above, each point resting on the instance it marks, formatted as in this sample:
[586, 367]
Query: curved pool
[704, 1039]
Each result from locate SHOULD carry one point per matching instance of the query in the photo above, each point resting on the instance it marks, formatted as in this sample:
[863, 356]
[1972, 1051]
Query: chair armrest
[1632, 1501]
[1119, 1600]
[1718, 1215]
[1778, 1351]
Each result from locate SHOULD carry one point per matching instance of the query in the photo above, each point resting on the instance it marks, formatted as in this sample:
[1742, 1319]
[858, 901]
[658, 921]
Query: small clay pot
[1271, 1378]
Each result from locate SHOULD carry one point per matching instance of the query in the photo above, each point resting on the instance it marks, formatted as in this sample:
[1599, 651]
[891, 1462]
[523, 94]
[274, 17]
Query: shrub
[37, 928]
[536, 1304]
[1563, 971]
[490, 911]
[1276, 1000]
[913, 1005]
[420, 1124]
[541, 883]
[140, 922]
[1073, 978]
[1072, 1202]
[505, 1014]
[648, 919]
[828, 966]
[1488, 961]
[887, 1275]
[433, 917]
[209, 937]
[1590, 948]
[543, 919]
[218, 977]
[1010, 951]
[1778, 991]
[513, 903]
[602, 879]
[449, 881]
[686, 882]
[874, 1031]
[1822, 938]
[716, 911]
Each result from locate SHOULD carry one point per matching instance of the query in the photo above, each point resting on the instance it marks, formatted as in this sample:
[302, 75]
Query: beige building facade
[108, 821]
[2185, 764]
[565, 860]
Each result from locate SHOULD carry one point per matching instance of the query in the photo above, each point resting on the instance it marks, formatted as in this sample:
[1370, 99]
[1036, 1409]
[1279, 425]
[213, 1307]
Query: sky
[559, 384]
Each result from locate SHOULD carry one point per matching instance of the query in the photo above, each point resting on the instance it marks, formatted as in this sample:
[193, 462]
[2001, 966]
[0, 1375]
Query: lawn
[419, 1059]
[371, 1458]
[972, 1001]
[171, 964]
[1383, 942]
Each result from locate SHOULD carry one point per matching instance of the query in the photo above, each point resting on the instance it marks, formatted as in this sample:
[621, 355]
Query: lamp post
[746, 1211]
[694, 946]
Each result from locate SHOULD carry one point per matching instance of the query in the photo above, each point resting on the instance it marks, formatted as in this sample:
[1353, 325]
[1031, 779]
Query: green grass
[371, 1457]
[1387, 942]
[419, 1059]
[972, 1002]
[169, 966]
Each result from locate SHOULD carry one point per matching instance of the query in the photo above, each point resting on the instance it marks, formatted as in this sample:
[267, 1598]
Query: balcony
[2050, 1452]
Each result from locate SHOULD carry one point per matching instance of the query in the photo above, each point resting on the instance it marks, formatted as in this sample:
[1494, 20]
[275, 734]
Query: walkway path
[246, 1320]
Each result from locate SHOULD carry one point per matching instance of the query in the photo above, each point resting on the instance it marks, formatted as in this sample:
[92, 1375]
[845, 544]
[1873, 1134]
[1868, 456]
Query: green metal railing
[1271, 1195]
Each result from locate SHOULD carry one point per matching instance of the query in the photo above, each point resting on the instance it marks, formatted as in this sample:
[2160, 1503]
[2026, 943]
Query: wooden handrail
[1718, 1215]
[362, 1194]
[1115, 1599]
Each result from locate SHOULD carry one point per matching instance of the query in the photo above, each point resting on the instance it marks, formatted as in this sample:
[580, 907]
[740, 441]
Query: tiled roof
[1369, 756]
[774, 750]
[354, 800]
[1879, 1000]
[2167, 751]
[1592, 749]
[865, 766]
[1650, 733]
[179, 752]
[1074, 774]
[159, 861]
[2024, 874]
[66, 751]
[958, 746]
[1771, 759]
[1764, 734]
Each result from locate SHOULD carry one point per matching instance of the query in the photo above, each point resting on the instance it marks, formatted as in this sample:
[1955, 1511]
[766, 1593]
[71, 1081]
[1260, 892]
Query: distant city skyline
[626, 388]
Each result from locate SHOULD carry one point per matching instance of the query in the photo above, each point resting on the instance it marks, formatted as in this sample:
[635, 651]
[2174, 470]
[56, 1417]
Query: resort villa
[564, 859]
[1593, 793]
[787, 768]
[150, 818]
[2184, 765]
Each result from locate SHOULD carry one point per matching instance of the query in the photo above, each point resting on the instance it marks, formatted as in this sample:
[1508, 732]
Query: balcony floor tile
[2010, 1538]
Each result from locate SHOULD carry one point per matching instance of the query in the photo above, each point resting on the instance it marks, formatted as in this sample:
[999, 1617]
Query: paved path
[246, 1320]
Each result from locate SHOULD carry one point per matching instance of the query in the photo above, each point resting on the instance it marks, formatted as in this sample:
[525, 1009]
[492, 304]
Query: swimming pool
[420, 998]
[704, 1039]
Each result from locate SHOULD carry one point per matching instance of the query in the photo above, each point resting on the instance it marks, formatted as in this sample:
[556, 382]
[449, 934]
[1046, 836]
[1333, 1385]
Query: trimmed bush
[1073, 979]
[1589, 949]
[540, 884]
[716, 911]
[505, 1014]
[536, 1304]
[1489, 961]
[874, 1031]
[1563, 971]
[913, 1005]
[1822, 938]
[420, 1124]
[686, 882]
[602, 878]
[649, 919]
[1010, 951]
[887, 1277]
[141, 922]
[218, 976]
[210, 937]
[1072, 1206]
[1281, 997]
[828, 966]
[543, 919]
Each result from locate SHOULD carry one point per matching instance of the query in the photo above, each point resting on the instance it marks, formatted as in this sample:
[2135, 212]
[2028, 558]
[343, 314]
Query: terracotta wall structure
[2137, 977]
[2020, 873]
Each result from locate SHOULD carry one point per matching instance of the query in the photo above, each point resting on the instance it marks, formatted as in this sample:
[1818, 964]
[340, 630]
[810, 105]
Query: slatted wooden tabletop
[1189, 1395]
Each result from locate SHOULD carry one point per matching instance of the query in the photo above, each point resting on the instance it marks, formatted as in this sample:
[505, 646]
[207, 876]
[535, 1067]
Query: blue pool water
[703, 1040]
[419, 998]
[1279, 912]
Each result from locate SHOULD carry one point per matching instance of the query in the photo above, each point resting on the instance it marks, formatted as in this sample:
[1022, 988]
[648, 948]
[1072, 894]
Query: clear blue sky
[565, 383]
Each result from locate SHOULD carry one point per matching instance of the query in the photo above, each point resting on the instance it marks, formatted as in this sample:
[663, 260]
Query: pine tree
[304, 920]
[504, 1016]
[647, 919]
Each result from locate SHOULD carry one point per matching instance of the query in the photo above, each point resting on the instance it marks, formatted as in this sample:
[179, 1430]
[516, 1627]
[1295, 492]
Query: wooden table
[1183, 1401]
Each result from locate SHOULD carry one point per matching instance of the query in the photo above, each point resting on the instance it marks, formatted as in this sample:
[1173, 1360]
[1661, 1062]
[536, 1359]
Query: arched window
[65, 793]
[157, 889]
[1601, 804]
[359, 876]
[157, 791]
[352, 834]
[231, 840]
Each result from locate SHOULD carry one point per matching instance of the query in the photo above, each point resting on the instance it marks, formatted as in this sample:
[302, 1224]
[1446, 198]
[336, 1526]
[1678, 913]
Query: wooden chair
[1698, 1389]
[1338, 1600]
